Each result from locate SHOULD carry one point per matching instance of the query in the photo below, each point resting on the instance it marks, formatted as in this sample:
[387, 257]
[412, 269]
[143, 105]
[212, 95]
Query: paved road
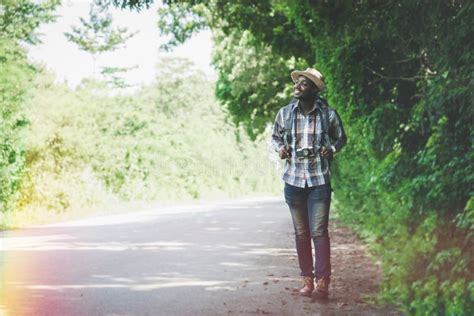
[209, 260]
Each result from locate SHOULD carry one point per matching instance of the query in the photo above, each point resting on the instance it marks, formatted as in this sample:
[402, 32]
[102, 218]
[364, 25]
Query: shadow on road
[225, 260]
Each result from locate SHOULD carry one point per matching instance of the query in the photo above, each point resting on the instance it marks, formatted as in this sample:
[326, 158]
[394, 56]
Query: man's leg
[296, 198]
[319, 201]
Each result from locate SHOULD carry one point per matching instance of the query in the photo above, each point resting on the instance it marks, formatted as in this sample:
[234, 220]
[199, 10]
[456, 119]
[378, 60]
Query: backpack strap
[325, 124]
[288, 125]
[324, 141]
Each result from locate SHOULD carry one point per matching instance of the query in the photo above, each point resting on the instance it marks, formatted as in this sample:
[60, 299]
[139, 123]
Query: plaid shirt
[312, 171]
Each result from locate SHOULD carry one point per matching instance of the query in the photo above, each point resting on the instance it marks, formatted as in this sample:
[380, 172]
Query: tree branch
[411, 79]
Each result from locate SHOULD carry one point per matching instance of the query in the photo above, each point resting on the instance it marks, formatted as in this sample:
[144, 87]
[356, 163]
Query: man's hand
[284, 153]
[326, 152]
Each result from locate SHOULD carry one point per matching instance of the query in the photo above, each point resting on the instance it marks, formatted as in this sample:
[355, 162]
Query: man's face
[304, 89]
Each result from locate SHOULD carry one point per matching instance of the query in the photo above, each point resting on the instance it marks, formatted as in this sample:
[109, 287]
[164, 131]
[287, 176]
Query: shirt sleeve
[336, 131]
[277, 134]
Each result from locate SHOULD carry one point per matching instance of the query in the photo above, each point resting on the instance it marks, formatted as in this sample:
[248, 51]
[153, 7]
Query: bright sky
[71, 64]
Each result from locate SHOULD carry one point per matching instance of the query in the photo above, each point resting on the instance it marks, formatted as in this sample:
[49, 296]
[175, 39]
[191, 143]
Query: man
[307, 133]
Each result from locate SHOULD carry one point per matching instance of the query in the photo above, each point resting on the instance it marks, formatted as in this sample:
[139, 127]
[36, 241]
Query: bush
[168, 141]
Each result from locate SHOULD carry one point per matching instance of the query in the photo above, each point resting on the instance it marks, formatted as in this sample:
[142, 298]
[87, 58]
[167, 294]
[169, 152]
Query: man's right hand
[284, 153]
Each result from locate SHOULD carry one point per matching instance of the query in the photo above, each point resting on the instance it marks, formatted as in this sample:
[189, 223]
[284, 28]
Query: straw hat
[313, 75]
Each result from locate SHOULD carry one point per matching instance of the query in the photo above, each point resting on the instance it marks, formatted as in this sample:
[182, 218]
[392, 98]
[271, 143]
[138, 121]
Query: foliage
[18, 20]
[97, 36]
[113, 76]
[167, 142]
[182, 22]
[132, 4]
[400, 75]
[249, 75]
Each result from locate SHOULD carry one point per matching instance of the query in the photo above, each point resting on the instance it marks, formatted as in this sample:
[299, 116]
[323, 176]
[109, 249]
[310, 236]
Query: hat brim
[318, 82]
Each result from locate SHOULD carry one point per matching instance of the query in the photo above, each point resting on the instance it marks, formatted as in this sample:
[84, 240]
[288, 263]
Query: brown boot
[308, 286]
[322, 287]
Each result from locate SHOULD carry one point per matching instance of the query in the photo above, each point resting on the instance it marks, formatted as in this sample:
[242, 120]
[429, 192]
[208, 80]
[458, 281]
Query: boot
[308, 286]
[322, 288]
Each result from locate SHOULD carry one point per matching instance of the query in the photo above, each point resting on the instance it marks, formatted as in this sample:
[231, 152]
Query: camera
[307, 152]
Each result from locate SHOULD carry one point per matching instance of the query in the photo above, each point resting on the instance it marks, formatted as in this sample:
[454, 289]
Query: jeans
[309, 209]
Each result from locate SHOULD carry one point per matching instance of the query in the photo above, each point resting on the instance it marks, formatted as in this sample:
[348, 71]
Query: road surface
[224, 259]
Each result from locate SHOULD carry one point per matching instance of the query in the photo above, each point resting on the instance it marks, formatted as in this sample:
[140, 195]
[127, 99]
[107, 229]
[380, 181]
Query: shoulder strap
[325, 116]
[288, 120]
[288, 124]
[325, 141]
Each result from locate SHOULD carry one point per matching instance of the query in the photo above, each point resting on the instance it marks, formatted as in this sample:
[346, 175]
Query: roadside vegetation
[87, 149]
[398, 72]
[71, 152]
[400, 75]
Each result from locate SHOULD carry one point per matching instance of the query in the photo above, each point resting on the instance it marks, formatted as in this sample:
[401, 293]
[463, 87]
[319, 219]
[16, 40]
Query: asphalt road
[226, 259]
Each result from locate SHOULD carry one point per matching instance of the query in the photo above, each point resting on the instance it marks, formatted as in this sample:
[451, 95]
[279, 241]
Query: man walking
[307, 133]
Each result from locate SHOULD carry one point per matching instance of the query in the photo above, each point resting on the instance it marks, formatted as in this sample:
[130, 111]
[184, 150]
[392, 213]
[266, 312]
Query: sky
[72, 65]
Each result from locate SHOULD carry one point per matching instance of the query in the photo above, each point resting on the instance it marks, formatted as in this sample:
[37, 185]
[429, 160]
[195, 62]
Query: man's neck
[306, 105]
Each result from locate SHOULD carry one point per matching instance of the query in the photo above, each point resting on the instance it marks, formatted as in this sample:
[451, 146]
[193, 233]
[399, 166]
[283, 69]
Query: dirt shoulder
[354, 284]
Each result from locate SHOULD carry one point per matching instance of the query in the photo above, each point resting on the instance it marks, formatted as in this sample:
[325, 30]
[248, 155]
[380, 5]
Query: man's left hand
[326, 152]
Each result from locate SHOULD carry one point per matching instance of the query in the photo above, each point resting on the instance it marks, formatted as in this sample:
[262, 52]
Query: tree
[400, 74]
[18, 21]
[97, 36]
[133, 4]
[113, 75]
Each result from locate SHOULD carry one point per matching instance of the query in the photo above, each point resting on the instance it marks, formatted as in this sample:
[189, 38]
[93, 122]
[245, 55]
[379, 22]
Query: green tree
[133, 4]
[252, 81]
[18, 21]
[400, 75]
[97, 35]
[129, 148]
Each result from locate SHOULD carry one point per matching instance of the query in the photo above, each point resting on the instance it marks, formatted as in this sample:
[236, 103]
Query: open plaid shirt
[312, 171]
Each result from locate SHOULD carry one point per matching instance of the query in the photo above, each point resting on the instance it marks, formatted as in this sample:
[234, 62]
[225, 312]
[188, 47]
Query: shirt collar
[316, 105]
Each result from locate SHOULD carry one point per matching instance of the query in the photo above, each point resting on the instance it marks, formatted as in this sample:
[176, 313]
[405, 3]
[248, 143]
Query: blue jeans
[309, 209]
